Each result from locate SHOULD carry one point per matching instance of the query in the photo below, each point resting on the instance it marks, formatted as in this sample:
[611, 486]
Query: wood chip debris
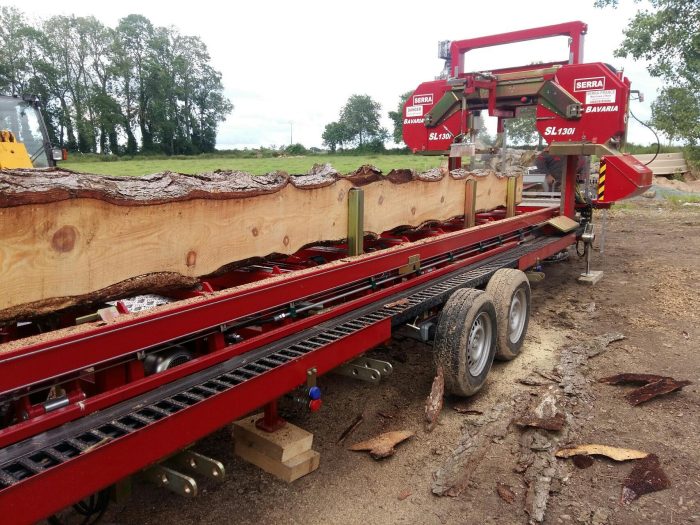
[554, 423]
[653, 386]
[404, 494]
[505, 493]
[382, 446]
[646, 476]
[351, 428]
[615, 453]
[400, 302]
[463, 408]
[433, 405]
[630, 379]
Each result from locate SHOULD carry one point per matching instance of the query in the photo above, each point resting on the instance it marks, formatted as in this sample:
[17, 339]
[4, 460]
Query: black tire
[468, 314]
[510, 288]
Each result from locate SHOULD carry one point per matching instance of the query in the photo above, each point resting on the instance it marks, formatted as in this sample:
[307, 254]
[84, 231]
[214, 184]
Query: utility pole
[291, 132]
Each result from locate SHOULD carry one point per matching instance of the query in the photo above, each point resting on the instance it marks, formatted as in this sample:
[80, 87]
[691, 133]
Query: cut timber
[69, 238]
[281, 445]
[286, 453]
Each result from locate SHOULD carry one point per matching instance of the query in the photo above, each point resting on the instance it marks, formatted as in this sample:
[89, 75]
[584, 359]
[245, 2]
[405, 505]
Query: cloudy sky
[290, 66]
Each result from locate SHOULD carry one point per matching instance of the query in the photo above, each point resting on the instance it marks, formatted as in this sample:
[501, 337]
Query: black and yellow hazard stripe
[601, 180]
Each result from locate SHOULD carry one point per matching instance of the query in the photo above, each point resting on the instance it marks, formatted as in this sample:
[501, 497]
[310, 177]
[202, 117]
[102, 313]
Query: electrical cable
[658, 143]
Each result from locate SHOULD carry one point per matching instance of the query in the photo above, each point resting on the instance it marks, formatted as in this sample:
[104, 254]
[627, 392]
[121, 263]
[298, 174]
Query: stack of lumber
[68, 238]
[665, 164]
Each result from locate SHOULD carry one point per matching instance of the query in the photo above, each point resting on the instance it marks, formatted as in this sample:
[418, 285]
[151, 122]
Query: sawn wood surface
[68, 238]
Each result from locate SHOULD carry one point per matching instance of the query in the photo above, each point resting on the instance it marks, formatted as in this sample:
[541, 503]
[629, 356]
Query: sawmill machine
[581, 109]
[84, 407]
[24, 139]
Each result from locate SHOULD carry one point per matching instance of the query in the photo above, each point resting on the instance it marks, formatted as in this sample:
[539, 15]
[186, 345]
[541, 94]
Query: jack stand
[271, 421]
[589, 277]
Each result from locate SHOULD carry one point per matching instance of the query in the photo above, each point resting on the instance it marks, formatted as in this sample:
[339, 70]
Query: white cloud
[299, 61]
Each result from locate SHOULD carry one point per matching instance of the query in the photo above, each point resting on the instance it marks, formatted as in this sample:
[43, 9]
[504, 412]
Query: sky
[289, 67]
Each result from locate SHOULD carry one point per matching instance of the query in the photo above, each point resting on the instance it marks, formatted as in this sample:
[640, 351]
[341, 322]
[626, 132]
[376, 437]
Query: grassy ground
[293, 165]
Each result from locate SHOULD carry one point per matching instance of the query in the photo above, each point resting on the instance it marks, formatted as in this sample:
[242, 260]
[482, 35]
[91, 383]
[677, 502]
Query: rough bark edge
[19, 187]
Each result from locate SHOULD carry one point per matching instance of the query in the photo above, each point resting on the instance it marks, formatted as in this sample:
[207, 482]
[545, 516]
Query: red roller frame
[122, 456]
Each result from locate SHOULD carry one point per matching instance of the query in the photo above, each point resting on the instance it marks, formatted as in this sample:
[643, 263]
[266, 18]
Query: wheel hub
[479, 344]
[517, 316]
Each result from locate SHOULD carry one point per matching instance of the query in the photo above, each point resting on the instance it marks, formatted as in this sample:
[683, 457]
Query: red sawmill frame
[68, 353]
[574, 30]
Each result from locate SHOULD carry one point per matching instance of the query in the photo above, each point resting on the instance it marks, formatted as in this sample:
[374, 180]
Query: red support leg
[568, 197]
[271, 421]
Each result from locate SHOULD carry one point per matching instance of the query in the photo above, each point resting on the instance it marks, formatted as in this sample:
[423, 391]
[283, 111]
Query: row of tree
[134, 87]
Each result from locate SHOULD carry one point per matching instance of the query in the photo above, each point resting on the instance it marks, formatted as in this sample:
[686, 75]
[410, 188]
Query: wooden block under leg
[284, 444]
[289, 470]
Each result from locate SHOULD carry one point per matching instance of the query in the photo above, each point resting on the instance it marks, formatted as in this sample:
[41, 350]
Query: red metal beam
[532, 258]
[574, 30]
[26, 429]
[120, 457]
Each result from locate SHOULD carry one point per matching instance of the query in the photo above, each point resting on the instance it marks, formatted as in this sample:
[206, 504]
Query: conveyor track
[40, 453]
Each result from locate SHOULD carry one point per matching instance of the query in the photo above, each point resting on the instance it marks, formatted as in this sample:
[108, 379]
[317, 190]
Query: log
[68, 238]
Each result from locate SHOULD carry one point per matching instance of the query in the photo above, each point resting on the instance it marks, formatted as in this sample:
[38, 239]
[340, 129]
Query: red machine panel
[416, 136]
[622, 177]
[604, 95]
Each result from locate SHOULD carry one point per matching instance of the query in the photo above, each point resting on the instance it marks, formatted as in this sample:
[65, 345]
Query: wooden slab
[285, 443]
[68, 238]
[289, 470]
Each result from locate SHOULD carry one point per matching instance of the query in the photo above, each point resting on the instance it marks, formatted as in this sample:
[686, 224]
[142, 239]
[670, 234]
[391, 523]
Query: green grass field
[293, 165]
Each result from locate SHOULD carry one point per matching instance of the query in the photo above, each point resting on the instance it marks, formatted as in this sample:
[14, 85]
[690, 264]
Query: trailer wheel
[510, 290]
[465, 340]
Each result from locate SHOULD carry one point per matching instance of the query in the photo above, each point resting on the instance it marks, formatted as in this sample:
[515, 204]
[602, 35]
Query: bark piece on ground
[434, 403]
[592, 449]
[659, 388]
[382, 446]
[505, 493]
[545, 413]
[553, 423]
[452, 478]
[464, 407]
[572, 363]
[351, 428]
[537, 445]
[631, 379]
[599, 344]
[646, 476]
[653, 385]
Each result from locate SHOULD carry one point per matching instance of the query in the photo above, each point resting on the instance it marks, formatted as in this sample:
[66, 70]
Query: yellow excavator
[24, 140]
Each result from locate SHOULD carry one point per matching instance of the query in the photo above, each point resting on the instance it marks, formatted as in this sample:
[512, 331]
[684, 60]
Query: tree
[335, 134]
[101, 85]
[522, 130]
[15, 56]
[359, 119]
[397, 117]
[676, 113]
[668, 37]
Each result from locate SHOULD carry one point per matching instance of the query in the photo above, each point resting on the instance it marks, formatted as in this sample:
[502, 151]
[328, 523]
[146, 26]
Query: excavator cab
[24, 140]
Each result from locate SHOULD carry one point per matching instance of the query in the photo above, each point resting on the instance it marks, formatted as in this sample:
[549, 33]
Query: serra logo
[586, 84]
[422, 99]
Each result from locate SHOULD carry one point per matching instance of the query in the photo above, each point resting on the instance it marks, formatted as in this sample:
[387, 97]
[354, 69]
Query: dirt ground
[649, 294]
